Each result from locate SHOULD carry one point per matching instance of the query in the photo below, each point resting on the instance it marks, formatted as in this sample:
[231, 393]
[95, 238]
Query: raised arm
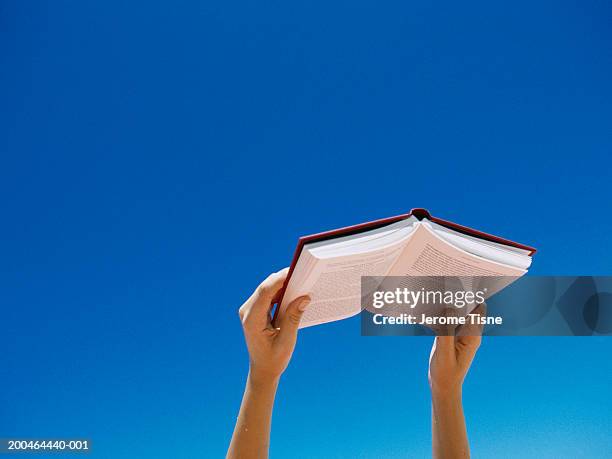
[449, 362]
[270, 350]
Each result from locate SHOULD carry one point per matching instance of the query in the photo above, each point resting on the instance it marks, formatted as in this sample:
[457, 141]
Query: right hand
[451, 357]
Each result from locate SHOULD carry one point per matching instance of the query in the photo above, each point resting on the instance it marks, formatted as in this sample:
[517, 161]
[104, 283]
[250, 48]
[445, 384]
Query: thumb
[444, 343]
[444, 347]
[470, 337]
[289, 320]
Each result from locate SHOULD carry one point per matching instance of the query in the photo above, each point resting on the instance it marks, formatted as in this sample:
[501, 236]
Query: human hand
[451, 357]
[270, 348]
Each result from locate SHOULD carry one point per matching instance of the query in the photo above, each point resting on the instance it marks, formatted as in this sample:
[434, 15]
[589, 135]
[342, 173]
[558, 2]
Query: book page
[429, 255]
[493, 251]
[334, 284]
[445, 230]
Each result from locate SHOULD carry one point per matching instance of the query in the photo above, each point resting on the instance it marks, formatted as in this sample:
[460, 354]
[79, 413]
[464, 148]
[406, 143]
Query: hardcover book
[328, 266]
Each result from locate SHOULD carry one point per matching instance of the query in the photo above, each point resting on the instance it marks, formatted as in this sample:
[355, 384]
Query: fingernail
[304, 301]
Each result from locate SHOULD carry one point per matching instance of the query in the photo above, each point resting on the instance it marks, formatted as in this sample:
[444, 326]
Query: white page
[334, 284]
[486, 249]
[428, 254]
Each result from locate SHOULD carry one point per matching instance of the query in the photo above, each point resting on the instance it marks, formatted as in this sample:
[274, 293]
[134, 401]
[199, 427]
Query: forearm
[449, 433]
[251, 438]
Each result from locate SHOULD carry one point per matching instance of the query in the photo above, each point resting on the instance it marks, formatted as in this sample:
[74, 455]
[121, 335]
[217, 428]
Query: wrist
[446, 394]
[262, 380]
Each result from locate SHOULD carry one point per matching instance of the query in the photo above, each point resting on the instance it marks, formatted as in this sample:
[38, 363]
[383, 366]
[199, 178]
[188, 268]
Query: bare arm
[450, 360]
[270, 350]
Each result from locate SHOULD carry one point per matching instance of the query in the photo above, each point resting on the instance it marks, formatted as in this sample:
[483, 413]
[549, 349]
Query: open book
[329, 266]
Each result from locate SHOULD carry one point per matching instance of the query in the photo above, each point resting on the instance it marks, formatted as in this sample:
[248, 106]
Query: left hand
[270, 348]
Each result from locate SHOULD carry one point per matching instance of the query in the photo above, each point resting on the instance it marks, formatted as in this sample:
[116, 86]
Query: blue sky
[160, 158]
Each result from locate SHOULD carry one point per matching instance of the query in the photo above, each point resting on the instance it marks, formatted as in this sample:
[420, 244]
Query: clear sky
[159, 159]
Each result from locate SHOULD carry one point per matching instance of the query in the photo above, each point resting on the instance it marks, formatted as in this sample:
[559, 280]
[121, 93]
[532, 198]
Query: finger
[256, 310]
[450, 328]
[271, 286]
[289, 320]
[466, 351]
[472, 328]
